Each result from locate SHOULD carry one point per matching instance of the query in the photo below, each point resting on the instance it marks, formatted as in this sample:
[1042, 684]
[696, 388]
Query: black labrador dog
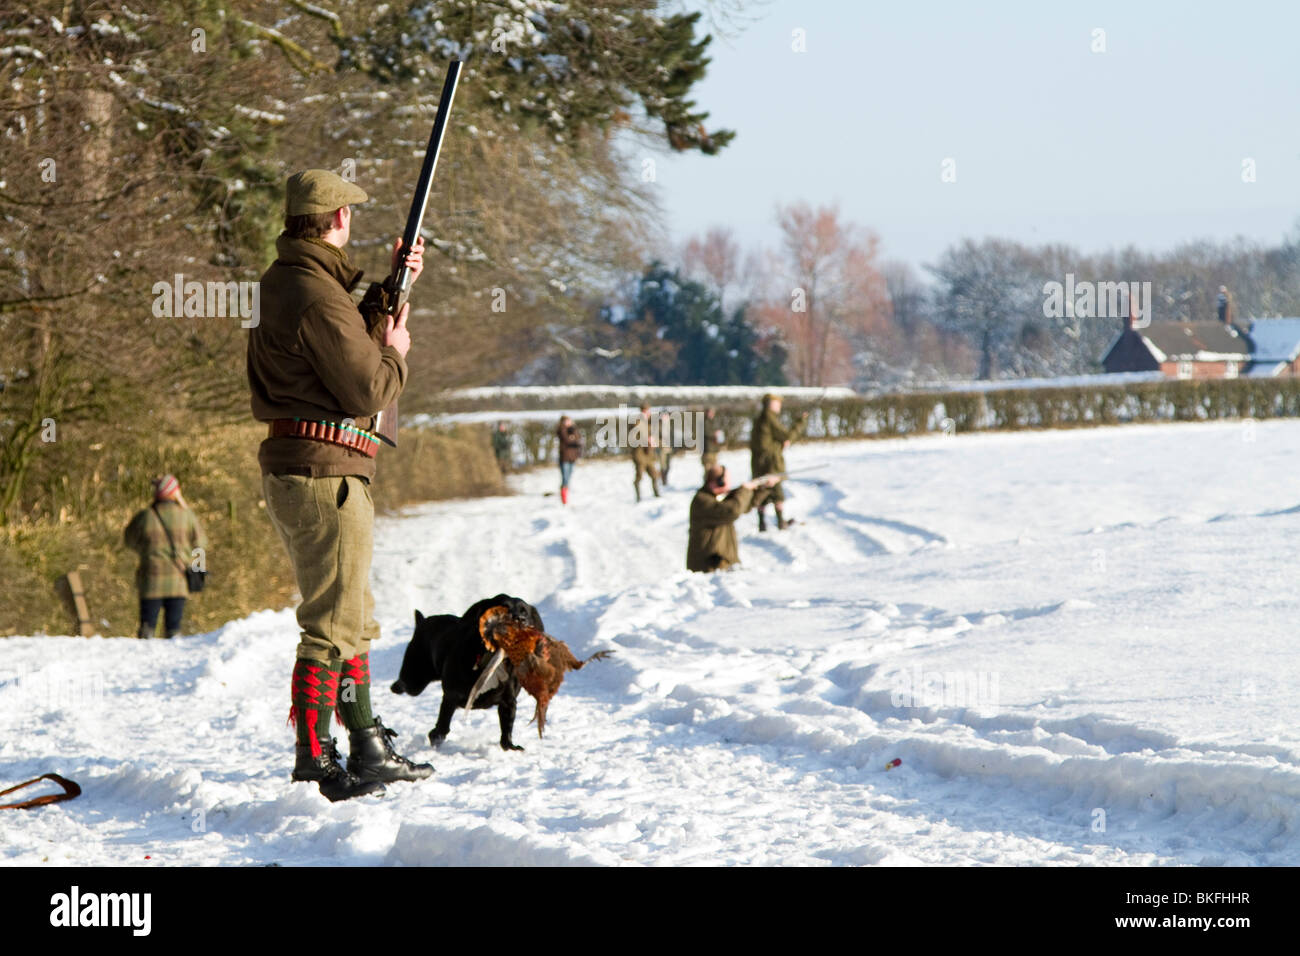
[449, 649]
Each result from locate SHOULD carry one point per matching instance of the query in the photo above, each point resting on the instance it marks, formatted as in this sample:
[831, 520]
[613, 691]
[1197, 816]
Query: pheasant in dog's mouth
[539, 660]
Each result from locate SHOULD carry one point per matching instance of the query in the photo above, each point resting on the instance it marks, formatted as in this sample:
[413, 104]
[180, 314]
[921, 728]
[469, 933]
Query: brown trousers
[775, 495]
[327, 526]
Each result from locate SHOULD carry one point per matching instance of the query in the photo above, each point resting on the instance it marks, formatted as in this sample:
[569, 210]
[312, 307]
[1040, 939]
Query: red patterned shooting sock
[315, 689]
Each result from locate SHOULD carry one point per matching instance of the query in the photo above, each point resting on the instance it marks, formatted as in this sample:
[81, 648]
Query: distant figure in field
[570, 443]
[501, 447]
[665, 437]
[767, 444]
[164, 535]
[1225, 306]
[711, 541]
[712, 441]
[644, 452]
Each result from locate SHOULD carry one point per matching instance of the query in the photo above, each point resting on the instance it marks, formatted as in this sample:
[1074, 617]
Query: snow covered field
[1079, 644]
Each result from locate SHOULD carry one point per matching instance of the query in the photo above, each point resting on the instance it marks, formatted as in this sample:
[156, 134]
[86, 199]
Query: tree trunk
[988, 365]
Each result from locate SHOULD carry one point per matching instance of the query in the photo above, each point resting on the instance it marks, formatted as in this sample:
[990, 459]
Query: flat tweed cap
[318, 190]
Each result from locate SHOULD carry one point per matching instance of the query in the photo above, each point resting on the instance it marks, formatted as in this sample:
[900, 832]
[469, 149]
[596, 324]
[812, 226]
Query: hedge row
[918, 413]
[559, 398]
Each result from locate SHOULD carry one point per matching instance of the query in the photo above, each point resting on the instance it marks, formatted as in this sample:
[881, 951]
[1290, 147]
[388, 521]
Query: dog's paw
[436, 739]
[510, 745]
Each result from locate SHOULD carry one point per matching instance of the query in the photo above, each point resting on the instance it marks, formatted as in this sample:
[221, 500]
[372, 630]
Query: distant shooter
[711, 545]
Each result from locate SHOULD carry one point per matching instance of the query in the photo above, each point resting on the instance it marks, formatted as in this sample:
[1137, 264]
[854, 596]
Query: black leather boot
[371, 756]
[335, 783]
[762, 522]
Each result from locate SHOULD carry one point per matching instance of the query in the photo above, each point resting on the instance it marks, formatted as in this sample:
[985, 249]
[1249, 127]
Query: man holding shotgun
[321, 368]
[711, 536]
[768, 441]
[326, 375]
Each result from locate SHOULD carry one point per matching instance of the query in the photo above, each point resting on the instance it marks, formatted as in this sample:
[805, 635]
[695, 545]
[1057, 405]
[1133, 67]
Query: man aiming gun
[321, 368]
[711, 544]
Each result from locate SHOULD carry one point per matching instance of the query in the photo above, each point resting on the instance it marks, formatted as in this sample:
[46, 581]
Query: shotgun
[399, 285]
[783, 475]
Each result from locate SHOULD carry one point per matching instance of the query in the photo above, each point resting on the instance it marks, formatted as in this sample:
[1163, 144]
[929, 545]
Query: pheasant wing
[493, 676]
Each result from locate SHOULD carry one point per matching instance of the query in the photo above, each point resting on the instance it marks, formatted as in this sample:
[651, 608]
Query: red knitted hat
[166, 487]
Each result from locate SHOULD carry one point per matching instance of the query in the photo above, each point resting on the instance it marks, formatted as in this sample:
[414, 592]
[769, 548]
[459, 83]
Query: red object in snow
[893, 763]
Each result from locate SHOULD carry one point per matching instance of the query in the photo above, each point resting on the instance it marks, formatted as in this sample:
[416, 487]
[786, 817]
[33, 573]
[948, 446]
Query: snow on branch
[336, 24]
[291, 49]
[18, 51]
[264, 115]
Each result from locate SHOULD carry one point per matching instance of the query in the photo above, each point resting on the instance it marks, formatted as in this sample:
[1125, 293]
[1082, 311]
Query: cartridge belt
[349, 436]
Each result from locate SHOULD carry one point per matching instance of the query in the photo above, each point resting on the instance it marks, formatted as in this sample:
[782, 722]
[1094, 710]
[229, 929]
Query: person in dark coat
[711, 541]
[501, 447]
[570, 446]
[168, 539]
[712, 440]
[665, 437]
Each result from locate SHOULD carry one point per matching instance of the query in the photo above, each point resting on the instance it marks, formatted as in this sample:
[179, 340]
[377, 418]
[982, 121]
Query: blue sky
[1141, 144]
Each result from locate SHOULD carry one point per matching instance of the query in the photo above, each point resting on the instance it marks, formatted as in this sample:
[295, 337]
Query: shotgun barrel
[386, 421]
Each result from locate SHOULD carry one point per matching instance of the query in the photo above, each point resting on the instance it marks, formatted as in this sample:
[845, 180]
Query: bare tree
[835, 300]
[715, 257]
